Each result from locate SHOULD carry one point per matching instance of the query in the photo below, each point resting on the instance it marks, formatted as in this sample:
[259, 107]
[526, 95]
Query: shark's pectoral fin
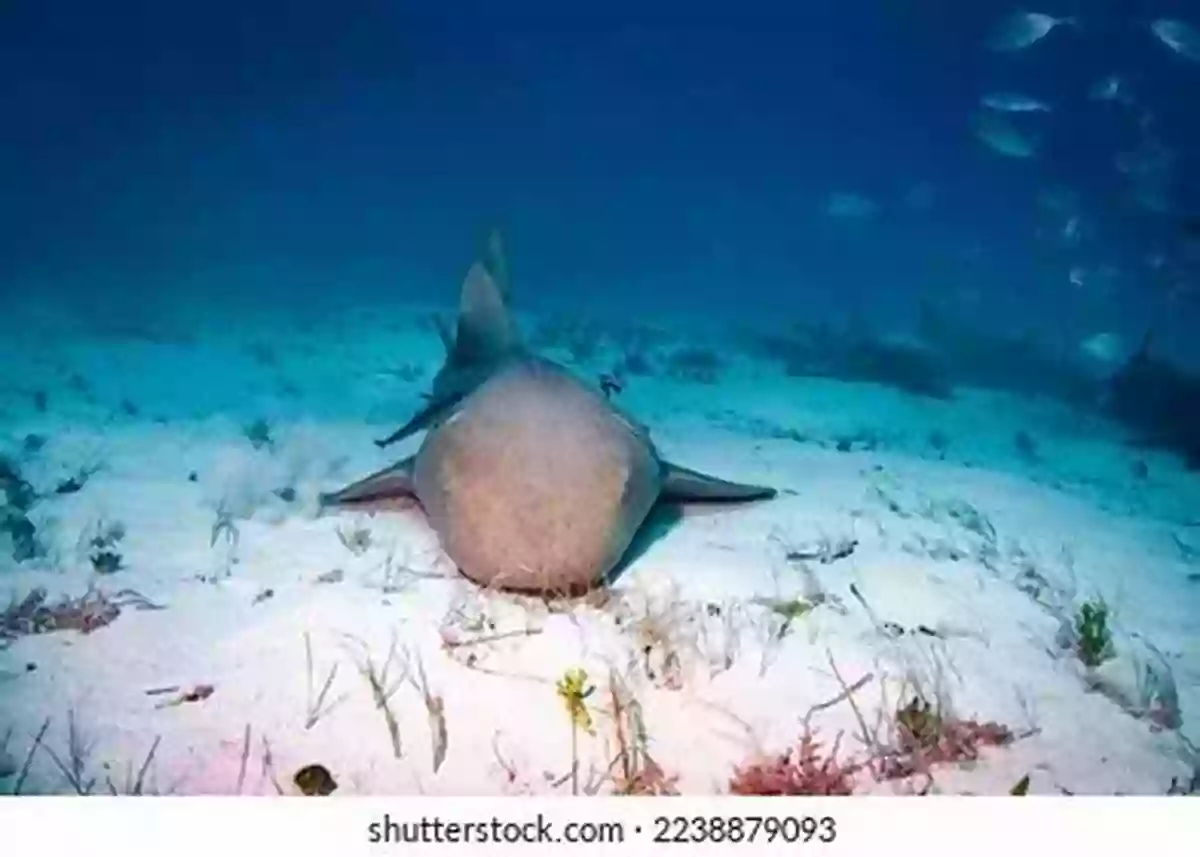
[483, 335]
[423, 419]
[391, 482]
[681, 485]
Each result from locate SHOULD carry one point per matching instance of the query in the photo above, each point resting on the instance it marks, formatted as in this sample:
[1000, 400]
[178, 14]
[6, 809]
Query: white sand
[718, 684]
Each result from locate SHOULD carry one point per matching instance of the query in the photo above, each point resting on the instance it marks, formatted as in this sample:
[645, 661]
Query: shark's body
[531, 479]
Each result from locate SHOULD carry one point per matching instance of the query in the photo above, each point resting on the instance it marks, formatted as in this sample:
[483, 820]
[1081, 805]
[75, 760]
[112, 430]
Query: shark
[532, 480]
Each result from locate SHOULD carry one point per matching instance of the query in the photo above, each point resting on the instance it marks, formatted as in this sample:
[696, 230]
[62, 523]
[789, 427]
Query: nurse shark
[532, 480]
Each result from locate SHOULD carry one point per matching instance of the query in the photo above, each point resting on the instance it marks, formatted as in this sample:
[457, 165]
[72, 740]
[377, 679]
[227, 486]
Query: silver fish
[1003, 137]
[1112, 88]
[1022, 29]
[1014, 102]
[1105, 348]
[1179, 36]
[1074, 231]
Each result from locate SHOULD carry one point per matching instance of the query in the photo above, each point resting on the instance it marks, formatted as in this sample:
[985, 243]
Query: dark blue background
[671, 153]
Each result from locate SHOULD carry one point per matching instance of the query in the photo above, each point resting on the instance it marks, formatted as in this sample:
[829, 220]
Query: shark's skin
[532, 480]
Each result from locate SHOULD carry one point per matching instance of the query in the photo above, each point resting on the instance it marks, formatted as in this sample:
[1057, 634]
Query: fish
[1073, 230]
[532, 480]
[1112, 88]
[1014, 102]
[1020, 30]
[1105, 349]
[1003, 137]
[1179, 36]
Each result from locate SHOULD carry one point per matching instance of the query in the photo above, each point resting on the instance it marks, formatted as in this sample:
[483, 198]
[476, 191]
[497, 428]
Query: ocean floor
[911, 601]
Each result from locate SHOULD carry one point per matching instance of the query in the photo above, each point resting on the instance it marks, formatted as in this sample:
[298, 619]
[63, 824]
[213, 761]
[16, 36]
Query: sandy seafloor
[966, 535]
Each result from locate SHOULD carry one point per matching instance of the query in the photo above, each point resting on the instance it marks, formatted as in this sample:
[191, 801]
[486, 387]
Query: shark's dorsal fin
[483, 336]
[485, 331]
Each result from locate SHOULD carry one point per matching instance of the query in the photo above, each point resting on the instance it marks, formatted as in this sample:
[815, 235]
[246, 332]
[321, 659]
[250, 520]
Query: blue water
[635, 154]
[172, 174]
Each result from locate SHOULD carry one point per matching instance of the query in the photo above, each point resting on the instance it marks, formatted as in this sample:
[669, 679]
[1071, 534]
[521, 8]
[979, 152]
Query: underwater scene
[530, 398]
